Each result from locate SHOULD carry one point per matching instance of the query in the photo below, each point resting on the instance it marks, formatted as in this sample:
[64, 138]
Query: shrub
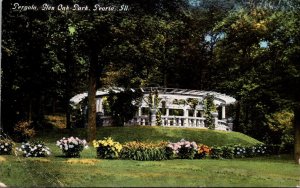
[260, 149]
[183, 149]
[239, 151]
[71, 147]
[34, 149]
[202, 151]
[6, 146]
[107, 148]
[144, 151]
[273, 149]
[216, 153]
[24, 130]
[227, 152]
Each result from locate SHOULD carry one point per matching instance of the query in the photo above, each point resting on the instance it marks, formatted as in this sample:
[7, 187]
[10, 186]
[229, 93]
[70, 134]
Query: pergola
[170, 100]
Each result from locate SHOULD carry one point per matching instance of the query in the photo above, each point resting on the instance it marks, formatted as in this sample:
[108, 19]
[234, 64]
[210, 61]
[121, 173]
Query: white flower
[2, 146]
[5, 149]
[71, 146]
[66, 147]
[6, 144]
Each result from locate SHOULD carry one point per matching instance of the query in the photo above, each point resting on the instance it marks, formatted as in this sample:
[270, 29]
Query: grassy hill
[156, 134]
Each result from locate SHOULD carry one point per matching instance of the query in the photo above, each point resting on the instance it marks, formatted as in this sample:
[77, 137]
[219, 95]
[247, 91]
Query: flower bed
[34, 149]
[182, 149]
[144, 151]
[71, 146]
[107, 148]
[6, 146]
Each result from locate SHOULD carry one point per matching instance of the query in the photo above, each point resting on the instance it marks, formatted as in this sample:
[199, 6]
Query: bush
[24, 131]
[216, 153]
[257, 150]
[227, 152]
[34, 149]
[260, 149]
[71, 147]
[144, 151]
[183, 149]
[107, 148]
[239, 151]
[202, 151]
[273, 149]
[6, 146]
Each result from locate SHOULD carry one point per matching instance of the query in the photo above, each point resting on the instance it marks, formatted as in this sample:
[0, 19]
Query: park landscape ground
[88, 171]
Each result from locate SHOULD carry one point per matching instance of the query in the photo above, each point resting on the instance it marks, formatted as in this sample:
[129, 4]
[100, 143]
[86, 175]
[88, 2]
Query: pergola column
[186, 115]
[223, 111]
[167, 111]
[153, 117]
[99, 105]
[139, 111]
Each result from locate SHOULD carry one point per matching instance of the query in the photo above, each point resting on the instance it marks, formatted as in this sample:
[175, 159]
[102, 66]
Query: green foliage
[34, 149]
[107, 148]
[252, 172]
[192, 102]
[158, 134]
[227, 152]
[144, 151]
[6, 146]
[71, 147]
[216, 153]
[281, 124]
[122, 107]
[239, 151]
[209, 108]
[24, 130]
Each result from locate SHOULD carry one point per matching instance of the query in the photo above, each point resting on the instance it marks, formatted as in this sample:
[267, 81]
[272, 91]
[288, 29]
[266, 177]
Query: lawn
[91, 172]
[155, 134]
[87, 171]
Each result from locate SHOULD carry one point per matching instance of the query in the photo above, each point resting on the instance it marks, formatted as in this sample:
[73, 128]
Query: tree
[261, 77]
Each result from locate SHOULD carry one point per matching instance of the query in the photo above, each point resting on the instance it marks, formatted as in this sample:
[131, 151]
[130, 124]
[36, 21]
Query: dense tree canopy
[248, 50]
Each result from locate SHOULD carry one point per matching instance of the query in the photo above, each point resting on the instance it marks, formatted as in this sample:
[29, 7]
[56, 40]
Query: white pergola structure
[174, 105]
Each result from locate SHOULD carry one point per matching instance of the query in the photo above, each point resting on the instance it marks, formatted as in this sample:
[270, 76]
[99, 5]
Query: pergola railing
[170, 121]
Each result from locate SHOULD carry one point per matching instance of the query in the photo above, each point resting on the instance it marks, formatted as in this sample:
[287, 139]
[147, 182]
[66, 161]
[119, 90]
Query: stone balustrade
[170, 121]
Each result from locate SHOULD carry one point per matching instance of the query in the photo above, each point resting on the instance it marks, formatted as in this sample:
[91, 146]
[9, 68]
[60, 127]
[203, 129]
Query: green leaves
[72, 30]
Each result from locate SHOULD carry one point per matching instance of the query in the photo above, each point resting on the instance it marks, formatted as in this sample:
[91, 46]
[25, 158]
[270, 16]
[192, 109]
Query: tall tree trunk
[68, 89]
[297, 134]
[92, 89]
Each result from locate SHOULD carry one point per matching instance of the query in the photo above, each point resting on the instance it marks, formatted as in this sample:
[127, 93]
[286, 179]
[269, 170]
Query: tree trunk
[92, 89]
[69, 75]
[297, 134]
